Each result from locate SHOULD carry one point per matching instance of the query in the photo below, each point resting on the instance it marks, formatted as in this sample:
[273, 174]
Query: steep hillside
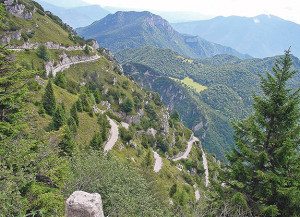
[229, 86]
[85, 15]
[124, 30]
[71, 120]
[260, 36]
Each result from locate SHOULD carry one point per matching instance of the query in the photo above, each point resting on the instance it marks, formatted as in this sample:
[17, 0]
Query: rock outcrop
[82, 204]
[18, 10]
[49, 45]
[7, 37]
[65, 63]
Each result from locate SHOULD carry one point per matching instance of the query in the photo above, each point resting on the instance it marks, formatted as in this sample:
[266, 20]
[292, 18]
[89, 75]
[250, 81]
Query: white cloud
[287, 9]
[256, 20]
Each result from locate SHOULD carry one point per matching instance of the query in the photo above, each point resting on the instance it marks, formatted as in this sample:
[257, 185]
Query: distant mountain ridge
[65, 3]
[85, 15]
[124, 30]
[260, 36]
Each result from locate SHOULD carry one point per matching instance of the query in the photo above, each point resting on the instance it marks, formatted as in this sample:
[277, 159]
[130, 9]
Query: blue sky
[287, 9]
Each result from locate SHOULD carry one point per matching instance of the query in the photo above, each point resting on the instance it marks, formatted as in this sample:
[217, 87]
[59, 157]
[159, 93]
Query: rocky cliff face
[17, 9]
[173, 95]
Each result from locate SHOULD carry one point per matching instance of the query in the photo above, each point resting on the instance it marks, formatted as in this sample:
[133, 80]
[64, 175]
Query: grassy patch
[88, 126]
[192, 84]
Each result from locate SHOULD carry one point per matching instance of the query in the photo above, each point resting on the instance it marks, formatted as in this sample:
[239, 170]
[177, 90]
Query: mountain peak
[131, 29]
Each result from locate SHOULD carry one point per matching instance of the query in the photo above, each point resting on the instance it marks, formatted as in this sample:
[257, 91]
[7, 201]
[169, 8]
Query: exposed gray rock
[18, 10]
[39, 80]
[95, 45]
[151, 132]
[8, 36]
[106, 104]
[50, 45]
[82, 204]
[165, 122]
[134, 119]
[65, 63]
[198, 126]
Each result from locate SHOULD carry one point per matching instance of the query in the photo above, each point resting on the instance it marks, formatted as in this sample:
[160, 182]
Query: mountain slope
[54, 132]
[85, 15]
[230, 83]
[259, 36]
[124, 30]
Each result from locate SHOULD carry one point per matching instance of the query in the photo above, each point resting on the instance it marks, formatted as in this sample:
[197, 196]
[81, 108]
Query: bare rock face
[8, 36]
[18, 10]
[82, 204]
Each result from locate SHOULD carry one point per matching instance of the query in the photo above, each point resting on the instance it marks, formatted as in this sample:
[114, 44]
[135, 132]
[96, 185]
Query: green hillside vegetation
[43, 27]
[230, 83]
[53, 138]
[69, 147]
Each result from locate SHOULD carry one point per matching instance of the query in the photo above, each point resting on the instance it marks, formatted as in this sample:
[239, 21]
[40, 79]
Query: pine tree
[96, 142]
[49, 101]
[60, 80]
[264, 165]
[74, 115]
[87, 49]
[104, 126]
[43, 53]
[127, 106]
[79, 106]
[67, 144]
[72, 125]
[149, 159]
[59, 117]
[12, 92]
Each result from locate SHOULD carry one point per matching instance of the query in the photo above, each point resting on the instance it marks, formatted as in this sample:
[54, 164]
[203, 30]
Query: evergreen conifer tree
[265, 164]
[43, 53]
[96, 142]
[74, 115]
[67, 144]
[72, 125]
[59, 117]
[60, 80]
[49, 101]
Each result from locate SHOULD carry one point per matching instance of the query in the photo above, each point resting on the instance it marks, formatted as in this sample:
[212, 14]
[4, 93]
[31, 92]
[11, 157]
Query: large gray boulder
[83, 204]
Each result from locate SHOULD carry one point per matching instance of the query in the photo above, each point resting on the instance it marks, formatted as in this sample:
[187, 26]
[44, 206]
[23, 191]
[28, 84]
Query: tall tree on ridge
[265, 164]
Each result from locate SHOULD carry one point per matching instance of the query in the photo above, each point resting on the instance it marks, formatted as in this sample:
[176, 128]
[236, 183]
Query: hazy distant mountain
[124, 30]
[85, 15]
[182, 16]
[65, 3]
[258, 36]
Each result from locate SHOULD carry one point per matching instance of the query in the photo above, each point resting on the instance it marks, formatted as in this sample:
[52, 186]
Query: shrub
[43, 53]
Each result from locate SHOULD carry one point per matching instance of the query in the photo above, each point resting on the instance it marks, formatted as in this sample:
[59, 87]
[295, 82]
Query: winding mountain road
[158, 162]
[62, 67]
[205, 166]
[197, 195]
[113, 136]
[186, 154]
